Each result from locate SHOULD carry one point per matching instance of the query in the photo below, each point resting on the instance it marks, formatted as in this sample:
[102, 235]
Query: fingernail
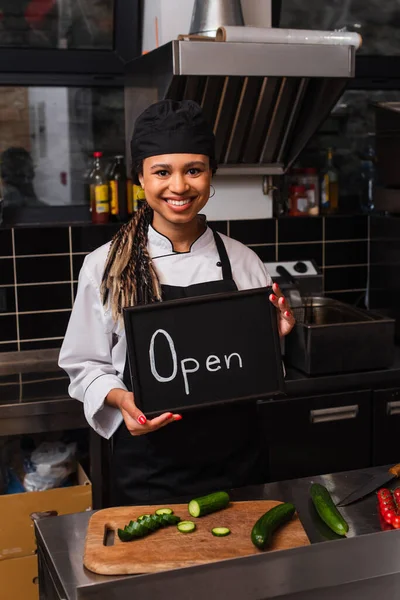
[142, 419]
[169, 415]
[273, 297]
[287, 314]
[178, 417]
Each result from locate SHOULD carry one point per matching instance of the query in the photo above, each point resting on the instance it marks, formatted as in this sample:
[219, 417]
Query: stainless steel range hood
[265, 100]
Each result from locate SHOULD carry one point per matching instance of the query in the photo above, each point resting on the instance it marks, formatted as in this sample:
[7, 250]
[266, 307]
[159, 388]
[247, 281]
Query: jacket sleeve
[86, 357]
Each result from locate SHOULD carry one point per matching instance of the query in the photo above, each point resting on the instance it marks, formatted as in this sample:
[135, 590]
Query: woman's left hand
[286, 319]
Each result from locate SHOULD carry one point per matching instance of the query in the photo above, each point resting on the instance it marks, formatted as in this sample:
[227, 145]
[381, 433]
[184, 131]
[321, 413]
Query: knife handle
[395, 470]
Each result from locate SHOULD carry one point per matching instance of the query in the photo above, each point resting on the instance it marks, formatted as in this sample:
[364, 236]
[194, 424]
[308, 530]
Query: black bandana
[171, 127]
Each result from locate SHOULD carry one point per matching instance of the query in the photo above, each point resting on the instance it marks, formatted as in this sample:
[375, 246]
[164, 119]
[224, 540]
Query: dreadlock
[129, 276]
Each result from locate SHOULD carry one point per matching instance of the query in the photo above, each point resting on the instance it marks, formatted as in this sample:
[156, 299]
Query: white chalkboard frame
[133, 316]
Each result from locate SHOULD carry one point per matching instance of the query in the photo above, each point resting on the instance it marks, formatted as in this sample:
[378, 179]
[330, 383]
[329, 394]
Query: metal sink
[334, 337]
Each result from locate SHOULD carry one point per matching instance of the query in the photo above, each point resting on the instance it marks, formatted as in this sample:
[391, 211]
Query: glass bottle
[99, 196]
[329, 186]
[368, 175]
[118, 190]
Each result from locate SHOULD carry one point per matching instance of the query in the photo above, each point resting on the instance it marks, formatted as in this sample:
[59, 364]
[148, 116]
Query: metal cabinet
[320, 434]
[386, 429]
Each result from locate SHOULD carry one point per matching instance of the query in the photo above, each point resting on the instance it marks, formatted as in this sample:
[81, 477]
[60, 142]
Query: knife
[373, 484]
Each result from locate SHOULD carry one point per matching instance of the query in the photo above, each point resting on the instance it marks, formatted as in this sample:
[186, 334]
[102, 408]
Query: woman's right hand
[135, 420]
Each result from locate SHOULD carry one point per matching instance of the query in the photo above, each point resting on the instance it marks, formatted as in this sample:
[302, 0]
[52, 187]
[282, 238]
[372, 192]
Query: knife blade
[373, 484]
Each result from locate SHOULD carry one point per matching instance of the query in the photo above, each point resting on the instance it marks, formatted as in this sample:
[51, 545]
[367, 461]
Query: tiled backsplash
[39, 267]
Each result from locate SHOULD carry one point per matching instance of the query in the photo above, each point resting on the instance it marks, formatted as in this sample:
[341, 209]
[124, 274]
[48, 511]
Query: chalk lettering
[185, 371]
[211, 361]
[154, 371]
[228, 359]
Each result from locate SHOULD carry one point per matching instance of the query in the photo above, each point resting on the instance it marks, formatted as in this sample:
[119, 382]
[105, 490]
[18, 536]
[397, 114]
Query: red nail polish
[178, 417]
[287, 314]
[169, 415]
[142, 419]
[273, 297]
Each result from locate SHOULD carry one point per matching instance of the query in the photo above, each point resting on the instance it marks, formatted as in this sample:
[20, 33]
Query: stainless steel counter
[34, 394]
[61, 544]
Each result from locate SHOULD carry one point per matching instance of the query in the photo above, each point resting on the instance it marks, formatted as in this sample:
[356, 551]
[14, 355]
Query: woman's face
[176, 186]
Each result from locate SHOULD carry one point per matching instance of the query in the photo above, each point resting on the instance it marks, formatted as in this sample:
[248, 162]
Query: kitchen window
[47, 139]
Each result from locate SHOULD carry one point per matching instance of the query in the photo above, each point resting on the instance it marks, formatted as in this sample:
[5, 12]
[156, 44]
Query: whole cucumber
[327, 510]
[268, 523]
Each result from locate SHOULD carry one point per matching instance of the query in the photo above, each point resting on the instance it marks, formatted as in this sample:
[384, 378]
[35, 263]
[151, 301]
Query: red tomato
[396, 521]
[388, 508]
[396, 492]
[384, 493]
[389, 516]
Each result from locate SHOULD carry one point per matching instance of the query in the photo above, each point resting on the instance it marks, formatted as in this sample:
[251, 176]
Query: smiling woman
[167, 251]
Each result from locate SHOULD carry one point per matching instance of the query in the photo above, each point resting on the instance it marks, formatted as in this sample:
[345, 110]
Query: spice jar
[298, 201]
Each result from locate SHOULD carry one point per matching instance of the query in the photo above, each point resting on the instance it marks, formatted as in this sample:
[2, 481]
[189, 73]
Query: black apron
[210, 449]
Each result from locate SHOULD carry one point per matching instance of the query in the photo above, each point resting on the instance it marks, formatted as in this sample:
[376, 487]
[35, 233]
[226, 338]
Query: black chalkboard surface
[204, 350]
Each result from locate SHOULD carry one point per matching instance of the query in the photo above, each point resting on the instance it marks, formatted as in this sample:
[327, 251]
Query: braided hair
[129, 276]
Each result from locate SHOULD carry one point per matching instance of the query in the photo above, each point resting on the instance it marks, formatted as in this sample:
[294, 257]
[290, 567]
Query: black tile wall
[35, 309]
[43, 269]
[300, 230]
[43, 324]
[8, 328]
[253, 231]
[42, 240]
[345, 228]
[44, 297]
[6, 242]
[309, 251]
[6, 271]
[77, 262]
[7, 299]
[87, 238]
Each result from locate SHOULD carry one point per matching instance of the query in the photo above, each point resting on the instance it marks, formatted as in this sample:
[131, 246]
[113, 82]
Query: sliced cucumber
[198, 507]
[143, 517]
[186, 526]
[220, 531]
[164, 511]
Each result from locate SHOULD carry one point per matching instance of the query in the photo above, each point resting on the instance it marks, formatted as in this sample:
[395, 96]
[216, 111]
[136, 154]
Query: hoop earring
[213, 194]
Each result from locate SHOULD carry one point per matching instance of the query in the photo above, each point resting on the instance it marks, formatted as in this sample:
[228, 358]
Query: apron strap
[223, 255]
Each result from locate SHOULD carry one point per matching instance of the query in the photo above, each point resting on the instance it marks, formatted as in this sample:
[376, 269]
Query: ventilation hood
[264, 100]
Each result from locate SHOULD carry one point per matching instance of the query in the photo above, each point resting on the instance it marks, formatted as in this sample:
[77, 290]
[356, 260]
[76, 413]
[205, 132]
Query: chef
[166, 251]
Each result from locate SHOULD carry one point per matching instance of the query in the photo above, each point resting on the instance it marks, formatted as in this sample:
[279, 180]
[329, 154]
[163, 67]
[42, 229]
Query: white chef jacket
[93, 352]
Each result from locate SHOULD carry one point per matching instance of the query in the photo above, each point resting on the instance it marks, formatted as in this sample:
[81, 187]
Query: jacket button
[219, 264]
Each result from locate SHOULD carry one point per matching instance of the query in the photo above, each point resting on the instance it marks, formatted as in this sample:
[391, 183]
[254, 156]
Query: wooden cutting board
[168, 548]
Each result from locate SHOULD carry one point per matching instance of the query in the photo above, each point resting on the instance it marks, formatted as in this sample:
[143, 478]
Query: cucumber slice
[186, 526]
[143, 517]
[198, 507]
[164, 511]
[220, 531]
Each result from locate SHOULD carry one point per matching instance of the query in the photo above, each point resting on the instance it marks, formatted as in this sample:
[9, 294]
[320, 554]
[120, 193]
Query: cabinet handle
[393, 408]
[338, 413]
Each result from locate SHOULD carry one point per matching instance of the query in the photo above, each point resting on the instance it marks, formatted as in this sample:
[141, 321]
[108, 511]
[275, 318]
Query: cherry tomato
[388, 508]
[389, 516]
[396, 492]
[396, 521]
[384, 493]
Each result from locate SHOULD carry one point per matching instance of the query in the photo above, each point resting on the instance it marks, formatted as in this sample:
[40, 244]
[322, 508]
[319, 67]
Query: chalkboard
[204, 350]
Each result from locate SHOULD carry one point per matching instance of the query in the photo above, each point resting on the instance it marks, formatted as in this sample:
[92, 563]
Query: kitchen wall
[39, 266]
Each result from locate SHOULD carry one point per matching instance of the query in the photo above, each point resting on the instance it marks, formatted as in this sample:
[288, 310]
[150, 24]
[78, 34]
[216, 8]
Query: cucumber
[144, 526]
[220, 531]
[164, 511]
[186, 526]
[198, 507]
[268, 523]
[327, 510]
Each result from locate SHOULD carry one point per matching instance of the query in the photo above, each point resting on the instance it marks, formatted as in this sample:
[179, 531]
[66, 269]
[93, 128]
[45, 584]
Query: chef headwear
[172, 127]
